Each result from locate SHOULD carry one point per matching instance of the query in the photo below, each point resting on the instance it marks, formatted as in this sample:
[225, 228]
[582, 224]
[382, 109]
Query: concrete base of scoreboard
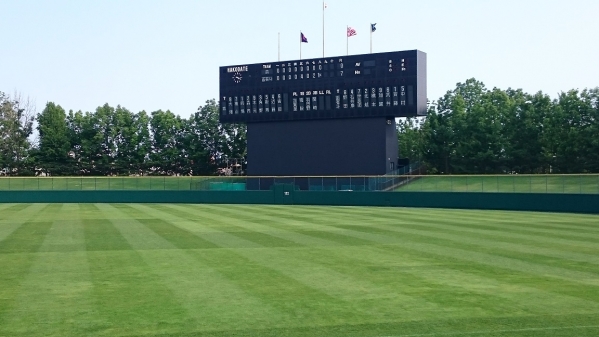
[336, 147]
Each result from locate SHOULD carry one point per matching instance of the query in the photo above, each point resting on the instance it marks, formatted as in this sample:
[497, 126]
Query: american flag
[351, 32]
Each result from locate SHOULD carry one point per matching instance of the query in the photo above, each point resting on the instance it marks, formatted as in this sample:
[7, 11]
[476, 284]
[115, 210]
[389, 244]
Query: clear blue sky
[149, 55]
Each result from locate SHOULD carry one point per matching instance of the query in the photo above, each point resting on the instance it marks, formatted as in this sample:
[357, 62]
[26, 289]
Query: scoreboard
[391, 84]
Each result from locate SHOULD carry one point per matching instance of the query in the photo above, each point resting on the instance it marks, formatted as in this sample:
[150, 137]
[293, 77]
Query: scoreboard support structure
[324, 117]
[356, 146]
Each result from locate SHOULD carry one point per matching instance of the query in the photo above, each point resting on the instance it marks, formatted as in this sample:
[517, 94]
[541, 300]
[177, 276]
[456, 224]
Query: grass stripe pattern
[239, 270]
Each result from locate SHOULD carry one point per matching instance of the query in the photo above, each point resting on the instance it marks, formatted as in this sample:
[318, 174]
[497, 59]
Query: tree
[16, 125]
[446, 138]
[437, 142]
[131, 141]
[573, 128]
[54, 145]
[526, 145]
[168, 154]
[81, 132]
[482, 143]
[211, 143]
[409, 136]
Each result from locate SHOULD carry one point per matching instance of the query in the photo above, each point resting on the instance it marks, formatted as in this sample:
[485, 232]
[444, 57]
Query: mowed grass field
[587, 184]
[235, 270]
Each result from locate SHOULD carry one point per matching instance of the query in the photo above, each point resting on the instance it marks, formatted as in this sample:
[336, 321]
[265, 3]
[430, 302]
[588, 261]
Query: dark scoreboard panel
[389, 84]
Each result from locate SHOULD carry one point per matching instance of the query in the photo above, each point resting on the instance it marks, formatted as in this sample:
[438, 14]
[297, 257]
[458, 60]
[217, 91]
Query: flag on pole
[351, 32]
[324, 5]
[373, 27]
[303, 38]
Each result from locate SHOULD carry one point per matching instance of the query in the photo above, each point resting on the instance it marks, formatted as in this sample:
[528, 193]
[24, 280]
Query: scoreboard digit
[391, 84]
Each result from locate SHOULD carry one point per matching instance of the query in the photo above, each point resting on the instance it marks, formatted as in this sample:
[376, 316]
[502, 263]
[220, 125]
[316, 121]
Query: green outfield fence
[567, 184]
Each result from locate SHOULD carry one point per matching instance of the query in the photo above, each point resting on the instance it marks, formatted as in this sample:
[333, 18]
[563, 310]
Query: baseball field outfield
[236, 270]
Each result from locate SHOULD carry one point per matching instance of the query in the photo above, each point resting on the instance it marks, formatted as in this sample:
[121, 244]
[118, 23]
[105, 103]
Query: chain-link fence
[400, 183]
[579, 183]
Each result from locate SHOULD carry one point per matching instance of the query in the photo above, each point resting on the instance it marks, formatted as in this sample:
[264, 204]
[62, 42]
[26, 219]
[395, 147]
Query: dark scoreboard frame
[391, 84]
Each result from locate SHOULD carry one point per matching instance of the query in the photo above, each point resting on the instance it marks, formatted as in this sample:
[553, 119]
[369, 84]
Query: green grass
[505, 183]
[236, 270]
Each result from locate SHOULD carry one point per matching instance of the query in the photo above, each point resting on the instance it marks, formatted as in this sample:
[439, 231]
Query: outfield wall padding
[284, 194]
[573, 203]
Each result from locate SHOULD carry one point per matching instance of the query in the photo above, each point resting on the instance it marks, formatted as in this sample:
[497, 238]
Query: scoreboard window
[389, 84]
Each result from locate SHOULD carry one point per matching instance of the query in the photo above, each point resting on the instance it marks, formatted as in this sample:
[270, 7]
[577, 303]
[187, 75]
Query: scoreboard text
[389, 84]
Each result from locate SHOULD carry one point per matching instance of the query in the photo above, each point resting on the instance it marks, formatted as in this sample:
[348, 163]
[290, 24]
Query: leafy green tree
[90, 135]
[482, 144]
[446, 137]
[409, 135]
[573, 128]
[168, 155]
[104, 140]
[131, 141]
[525, 147]
[212, 144]
[16, 125]
[437, 142]
[53, 151]
[80, 132]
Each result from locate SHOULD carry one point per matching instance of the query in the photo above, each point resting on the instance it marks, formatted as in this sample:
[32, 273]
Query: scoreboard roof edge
[321, 58]
[387, 84]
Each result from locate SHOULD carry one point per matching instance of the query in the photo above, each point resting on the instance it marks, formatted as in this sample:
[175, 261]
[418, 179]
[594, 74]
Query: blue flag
[303, 38]
[373, 27]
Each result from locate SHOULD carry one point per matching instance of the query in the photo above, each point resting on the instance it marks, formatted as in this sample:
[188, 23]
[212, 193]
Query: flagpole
[371, 38]
[300, 45]
[347, 40]
[323, 29]
[279, 46]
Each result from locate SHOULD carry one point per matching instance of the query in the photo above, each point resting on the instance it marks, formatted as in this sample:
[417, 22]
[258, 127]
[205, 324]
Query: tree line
[472, 129]
[115, 141]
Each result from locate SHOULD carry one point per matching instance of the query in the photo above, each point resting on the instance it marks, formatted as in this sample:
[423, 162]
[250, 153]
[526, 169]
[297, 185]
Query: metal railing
[400, 183]
[513, 183]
